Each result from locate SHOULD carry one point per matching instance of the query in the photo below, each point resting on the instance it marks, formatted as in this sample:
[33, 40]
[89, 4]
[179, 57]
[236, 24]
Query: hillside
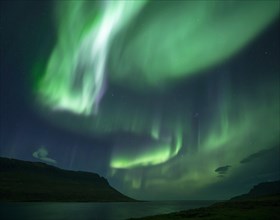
[35, 181]
[262, 202]
[262, 189]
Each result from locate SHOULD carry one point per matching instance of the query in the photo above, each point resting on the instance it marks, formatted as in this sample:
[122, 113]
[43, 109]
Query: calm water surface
[93, 211]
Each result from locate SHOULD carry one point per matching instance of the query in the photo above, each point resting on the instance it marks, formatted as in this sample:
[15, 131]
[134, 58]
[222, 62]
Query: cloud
[222, 170]
[42, 154]
[257, 155]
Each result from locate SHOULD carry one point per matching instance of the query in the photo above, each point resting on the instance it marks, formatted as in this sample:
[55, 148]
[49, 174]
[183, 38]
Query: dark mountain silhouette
[262, 189]
[36, 181]
[262, 202]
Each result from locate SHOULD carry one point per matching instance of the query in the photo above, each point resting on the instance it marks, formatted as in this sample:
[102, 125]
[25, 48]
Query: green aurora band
[74, 78]
[150, 45]
[183, 38]
[206, 33]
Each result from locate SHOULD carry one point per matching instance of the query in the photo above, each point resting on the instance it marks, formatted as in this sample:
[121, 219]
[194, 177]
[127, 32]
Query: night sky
[166, 99]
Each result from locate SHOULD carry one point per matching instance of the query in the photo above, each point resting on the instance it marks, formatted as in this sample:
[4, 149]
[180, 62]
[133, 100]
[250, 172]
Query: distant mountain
[35, 181]
[262, 189]
[262, 202]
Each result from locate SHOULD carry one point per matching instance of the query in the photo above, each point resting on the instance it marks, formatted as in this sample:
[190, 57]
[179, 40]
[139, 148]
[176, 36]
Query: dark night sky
[154, 128]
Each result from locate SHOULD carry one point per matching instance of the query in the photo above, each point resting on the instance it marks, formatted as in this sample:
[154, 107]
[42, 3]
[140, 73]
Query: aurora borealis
[163, 98]
[74, 78]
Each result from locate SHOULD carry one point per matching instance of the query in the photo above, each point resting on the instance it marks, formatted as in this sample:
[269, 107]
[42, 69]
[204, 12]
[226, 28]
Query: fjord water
[93, 211]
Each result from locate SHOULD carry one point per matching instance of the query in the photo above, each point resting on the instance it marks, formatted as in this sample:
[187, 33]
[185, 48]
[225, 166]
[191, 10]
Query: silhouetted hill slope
[35, 181]
[262, 202]
[262, 189]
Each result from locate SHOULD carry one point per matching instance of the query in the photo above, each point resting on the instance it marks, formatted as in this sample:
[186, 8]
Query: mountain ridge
[37, 181]
[261, 202]
[260, 190]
